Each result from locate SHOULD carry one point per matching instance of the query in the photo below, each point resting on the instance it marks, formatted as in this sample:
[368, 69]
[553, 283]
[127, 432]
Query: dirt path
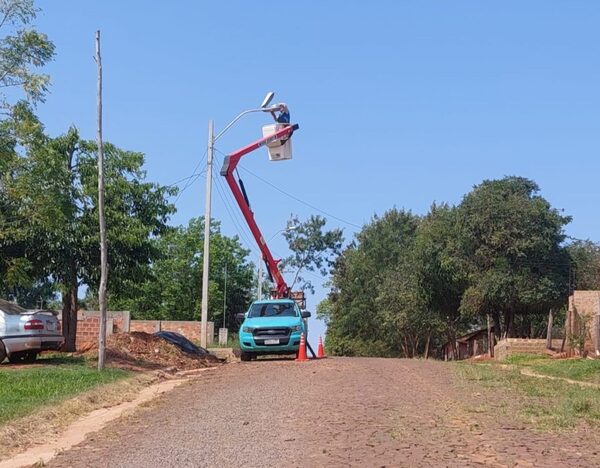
[335, 412]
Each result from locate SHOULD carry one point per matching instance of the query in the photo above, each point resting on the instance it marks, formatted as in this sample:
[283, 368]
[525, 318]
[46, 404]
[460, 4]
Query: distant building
[469, 345]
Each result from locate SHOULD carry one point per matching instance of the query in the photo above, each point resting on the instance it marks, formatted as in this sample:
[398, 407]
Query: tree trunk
[427, 345]
[549, 331]
[510, 324]
[490, 337]
[69, 316]
[497, 325]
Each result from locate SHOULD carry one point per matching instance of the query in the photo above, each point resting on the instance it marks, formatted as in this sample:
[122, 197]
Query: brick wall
[88, 326]
[583, 319]
[509, 346]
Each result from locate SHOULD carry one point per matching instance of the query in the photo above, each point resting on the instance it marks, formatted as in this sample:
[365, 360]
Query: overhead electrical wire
[230, 211]
[191, 179]
[299, 200]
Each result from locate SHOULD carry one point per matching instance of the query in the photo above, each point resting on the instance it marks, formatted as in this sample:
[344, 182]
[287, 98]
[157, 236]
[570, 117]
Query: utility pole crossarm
[229, 165]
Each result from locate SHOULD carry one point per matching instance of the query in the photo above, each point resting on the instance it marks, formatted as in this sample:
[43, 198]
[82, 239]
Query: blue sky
[399, 103]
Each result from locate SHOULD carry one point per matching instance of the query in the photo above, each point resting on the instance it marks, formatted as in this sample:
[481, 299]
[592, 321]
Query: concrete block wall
[509, 346]
[585, 309]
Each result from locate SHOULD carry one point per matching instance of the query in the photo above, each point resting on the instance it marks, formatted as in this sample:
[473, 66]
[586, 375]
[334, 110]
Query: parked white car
[25, 333]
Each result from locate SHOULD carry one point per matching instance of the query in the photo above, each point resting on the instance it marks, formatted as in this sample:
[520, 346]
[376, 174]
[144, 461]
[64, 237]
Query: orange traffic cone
[320, 351]
[302, 350]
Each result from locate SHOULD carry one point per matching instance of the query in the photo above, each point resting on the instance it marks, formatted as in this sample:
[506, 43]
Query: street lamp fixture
[207, 208]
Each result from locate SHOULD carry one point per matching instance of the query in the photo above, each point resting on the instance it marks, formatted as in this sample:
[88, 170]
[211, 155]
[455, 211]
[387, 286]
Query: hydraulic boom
[229, 165]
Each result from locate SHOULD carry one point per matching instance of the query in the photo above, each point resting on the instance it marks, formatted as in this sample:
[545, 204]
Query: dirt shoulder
[335, 412]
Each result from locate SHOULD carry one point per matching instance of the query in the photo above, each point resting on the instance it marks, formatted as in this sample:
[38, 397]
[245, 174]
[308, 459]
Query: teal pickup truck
[271, 327]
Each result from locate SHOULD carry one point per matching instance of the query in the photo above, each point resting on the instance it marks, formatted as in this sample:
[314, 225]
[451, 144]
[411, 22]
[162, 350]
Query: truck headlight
[297, 328]
[247, 329]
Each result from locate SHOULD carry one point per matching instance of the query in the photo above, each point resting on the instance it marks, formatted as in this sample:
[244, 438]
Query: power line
[295, 197]
[177, 182]
[192, 179]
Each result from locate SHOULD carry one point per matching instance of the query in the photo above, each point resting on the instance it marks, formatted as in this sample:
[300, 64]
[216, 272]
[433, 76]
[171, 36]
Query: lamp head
[267, 100]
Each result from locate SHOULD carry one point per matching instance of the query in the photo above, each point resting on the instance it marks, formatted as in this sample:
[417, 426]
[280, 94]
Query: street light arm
[240, 115]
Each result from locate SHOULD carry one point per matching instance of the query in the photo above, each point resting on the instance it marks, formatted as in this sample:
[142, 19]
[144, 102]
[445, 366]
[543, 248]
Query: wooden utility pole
[103, 246]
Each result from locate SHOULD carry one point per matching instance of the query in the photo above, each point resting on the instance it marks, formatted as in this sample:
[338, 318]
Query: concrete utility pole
[211, 144]
[205, 255]
[103, 241]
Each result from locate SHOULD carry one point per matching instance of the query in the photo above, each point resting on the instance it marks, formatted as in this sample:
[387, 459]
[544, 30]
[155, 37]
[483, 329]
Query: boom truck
[275, 325]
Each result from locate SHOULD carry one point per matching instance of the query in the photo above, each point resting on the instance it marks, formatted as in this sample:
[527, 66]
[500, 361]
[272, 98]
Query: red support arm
[229, 165]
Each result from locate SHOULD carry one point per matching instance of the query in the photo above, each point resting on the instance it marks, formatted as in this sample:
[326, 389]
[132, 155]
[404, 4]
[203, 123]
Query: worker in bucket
[284, 114]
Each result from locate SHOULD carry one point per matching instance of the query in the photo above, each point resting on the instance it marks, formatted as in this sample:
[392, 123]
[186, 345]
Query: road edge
[94, 421]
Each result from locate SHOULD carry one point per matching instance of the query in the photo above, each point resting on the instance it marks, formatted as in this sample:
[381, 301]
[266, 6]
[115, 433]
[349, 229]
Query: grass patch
[584, 370]
[26, 389]
[547, 404]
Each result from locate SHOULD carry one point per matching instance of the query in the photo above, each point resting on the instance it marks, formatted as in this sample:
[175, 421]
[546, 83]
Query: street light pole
[207, 217]
[211, 145]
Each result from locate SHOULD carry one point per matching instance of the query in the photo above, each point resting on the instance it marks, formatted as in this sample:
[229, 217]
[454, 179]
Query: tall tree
[23, 50]
[173, 288]
[585, 257]
[509, 243]
[54, 186]
[313, 249]
[366, 315]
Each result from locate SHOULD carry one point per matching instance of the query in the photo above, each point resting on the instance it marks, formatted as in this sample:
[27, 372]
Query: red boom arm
[229, 165]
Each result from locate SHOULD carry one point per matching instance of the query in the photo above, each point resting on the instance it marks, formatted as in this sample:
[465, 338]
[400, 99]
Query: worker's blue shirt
[284, 117]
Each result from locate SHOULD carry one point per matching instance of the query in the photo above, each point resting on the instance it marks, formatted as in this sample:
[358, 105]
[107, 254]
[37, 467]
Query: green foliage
[374, 307]
[509, 244]
[313, 249]
[408, 284]
[49, 219]
[585, 256]
[172, 289]
[22, 51]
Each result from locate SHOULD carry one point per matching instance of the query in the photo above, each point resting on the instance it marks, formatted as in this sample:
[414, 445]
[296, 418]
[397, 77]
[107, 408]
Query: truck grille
[282, 334]
[277, 332]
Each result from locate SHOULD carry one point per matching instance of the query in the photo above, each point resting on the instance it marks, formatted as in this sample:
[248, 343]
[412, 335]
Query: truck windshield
[284, 309]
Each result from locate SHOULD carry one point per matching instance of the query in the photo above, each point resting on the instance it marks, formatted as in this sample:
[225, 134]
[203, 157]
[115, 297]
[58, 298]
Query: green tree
[509, 244]
[23, 50]
[313, 249]
[585, 257]
[372, 303]
[440, 280]
[52, 186]
[172, 291]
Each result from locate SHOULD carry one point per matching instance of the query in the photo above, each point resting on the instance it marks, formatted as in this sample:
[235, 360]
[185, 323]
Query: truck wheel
[244, 356]
[2, 352]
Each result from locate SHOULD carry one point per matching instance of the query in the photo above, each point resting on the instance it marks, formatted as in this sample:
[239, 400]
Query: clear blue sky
[399, 103]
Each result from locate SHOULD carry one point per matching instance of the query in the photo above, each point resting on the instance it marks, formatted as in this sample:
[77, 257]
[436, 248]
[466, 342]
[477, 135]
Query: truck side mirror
[240, 317]
[305, 314]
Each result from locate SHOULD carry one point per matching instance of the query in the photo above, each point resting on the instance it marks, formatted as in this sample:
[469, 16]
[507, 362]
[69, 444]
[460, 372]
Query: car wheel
[23, 357]
[244, 356]
[2, 352]
[30, 356]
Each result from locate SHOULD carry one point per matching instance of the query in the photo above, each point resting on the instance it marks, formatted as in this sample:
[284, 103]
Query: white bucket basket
[277, 151]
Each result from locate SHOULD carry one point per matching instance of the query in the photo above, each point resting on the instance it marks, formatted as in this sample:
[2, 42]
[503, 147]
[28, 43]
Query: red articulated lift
[277, 138]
